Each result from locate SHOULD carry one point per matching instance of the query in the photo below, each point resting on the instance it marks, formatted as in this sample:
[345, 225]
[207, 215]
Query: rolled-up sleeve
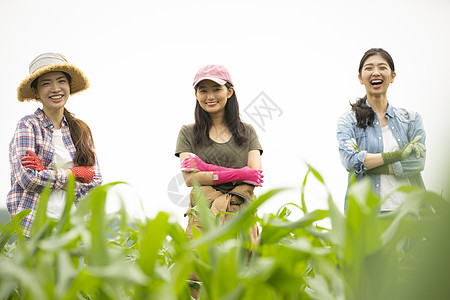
[353, 161]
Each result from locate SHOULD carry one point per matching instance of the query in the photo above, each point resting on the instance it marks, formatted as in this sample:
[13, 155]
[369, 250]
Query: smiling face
[53, 90]
[212, 96]
[376, 75]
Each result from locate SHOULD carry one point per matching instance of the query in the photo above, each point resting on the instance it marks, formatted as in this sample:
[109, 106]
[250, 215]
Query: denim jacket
[405, 126]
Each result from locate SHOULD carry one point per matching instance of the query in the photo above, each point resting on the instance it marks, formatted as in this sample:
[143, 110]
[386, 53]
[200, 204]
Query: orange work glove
[31, 161]
[83, 174]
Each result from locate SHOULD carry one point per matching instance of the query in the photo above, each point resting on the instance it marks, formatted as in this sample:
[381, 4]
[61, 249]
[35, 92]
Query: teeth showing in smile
[212, 103]
[376, 82]
[56, 97]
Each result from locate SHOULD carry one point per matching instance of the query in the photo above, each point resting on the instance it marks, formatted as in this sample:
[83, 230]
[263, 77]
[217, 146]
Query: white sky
[141, 57]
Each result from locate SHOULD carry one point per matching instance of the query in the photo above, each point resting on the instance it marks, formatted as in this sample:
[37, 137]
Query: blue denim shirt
[405, 126]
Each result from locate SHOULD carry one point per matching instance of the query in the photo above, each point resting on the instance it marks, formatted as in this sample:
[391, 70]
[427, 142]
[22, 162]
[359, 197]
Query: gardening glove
[419, 149]
[383, 169]
[195, 163]
[413, 146]
[83, 174]
[31, 161]
[246, 174]
[351, 145]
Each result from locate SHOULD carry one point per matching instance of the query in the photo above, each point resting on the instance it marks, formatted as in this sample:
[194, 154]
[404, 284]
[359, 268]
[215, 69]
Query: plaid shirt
[35, 132]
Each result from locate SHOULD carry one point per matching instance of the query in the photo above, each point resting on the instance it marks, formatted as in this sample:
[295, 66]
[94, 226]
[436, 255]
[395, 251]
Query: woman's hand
[193, 163]
[254, 177]
[31, 161]
[412, 147]
[83, 174]
[352, 145]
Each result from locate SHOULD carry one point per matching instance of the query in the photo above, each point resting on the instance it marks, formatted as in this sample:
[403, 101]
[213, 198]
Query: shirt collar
[389, 110]
[47, 123]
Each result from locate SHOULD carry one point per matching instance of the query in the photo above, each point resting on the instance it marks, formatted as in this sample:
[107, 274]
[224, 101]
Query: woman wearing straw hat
[50, 144]
[219, 152]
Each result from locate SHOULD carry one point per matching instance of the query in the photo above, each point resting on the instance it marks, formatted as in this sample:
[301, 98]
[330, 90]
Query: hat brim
[216, 80]
[78, 83]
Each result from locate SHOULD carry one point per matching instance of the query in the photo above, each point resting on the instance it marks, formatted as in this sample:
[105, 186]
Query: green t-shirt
[228, 154]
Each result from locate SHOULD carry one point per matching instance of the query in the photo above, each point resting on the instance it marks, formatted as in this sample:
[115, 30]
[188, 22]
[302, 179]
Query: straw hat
[50, 62]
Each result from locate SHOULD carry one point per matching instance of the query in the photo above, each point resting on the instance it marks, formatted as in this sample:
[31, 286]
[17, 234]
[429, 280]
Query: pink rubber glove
[246, 174]
[83, 174]
[32, 161]
[193, 163]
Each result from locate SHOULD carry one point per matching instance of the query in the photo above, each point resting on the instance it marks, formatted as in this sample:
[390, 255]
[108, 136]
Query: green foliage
[364, 255]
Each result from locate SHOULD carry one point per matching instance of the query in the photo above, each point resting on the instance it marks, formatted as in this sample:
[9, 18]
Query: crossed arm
[381, 163]
[207, 177]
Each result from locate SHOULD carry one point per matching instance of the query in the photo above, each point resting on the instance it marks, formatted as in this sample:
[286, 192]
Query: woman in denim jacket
[378, 140]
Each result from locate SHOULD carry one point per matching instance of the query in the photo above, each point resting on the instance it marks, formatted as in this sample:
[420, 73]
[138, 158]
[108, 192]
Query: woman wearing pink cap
[219, 152]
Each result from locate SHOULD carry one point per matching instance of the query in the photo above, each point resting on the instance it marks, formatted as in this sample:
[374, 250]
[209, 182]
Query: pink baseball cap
[217, 73]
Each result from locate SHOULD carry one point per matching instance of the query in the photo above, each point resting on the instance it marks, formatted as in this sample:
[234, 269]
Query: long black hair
[203, 121]
[365, 114]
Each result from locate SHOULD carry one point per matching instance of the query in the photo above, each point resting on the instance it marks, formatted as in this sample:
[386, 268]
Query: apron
[230, 202]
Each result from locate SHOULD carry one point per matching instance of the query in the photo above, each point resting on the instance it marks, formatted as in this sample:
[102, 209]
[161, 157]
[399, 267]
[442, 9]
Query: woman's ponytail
[82, 139]
[364, 114]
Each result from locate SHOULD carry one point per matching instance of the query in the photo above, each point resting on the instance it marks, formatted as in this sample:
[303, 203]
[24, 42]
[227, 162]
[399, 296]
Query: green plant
[364, 255]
